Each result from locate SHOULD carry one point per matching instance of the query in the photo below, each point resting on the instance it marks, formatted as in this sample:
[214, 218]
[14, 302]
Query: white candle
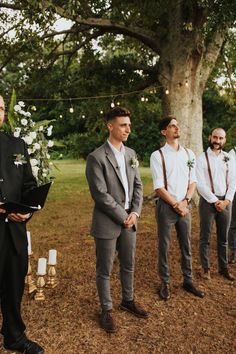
[52, 258]
[29, 243]
[42, 263]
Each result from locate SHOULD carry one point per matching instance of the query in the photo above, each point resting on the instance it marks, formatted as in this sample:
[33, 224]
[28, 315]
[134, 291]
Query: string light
[83, 116]
[142, 98]
[167, 92]
[118, 103]
[60, 116]
[146, 99]
[71, 110]
[186, 83]
[112, 104]
[101, 112]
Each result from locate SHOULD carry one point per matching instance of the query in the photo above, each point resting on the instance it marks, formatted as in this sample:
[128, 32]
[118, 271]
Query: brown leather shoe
[190, 288]
[205, 274]
[107, 322]
[225, 273]
[164, 291]
[134, 308]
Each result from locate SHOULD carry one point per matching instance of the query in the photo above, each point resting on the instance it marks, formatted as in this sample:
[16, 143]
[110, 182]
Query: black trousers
[13, 269]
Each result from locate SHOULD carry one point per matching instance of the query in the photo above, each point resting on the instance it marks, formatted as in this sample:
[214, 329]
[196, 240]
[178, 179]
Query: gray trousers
[105, 254]
[166, 218]
[208, 214]
[232, 229]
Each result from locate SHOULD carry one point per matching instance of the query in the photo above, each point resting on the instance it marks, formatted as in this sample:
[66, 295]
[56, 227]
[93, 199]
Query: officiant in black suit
[16, 179]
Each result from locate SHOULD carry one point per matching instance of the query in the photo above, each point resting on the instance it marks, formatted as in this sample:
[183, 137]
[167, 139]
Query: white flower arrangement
[134, 162]
[34, 135]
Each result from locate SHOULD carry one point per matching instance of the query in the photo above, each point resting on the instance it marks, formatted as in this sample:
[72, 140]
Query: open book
[34, 200]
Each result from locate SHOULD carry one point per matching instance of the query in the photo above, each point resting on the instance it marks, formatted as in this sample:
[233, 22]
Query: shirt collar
[210, 151]
[169, 148]
[115, 150]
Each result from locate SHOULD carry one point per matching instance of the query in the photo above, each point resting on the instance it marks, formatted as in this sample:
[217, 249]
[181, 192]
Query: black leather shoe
[225, 273]
[107, 322]
[27, 347]
[190, 288]
[134, 308]
[164, 291]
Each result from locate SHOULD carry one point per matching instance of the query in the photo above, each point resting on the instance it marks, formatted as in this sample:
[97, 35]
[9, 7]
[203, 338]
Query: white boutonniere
[134, 162]
[190, 163]
[19, 159]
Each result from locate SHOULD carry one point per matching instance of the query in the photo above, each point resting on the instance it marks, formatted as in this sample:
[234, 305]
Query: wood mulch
[67, 321]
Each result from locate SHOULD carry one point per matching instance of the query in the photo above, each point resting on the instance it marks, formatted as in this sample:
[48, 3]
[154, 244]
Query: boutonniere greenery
[134, 162]
[19, 159]
[226, 159]
[190, 163]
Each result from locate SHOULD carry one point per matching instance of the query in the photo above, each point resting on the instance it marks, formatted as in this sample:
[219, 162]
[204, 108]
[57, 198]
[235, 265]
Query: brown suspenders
[210, 174]
[164, 168]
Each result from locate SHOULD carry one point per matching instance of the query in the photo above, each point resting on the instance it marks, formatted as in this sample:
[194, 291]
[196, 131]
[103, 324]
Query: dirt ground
[67, 321]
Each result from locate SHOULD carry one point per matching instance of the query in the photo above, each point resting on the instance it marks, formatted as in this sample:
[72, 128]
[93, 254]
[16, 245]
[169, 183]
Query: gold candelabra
[39, 296]
[29, 279]
[51, 278]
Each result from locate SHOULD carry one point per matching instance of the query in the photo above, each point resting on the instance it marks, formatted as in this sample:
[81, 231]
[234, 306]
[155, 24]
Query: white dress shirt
[218, 170]
[120, 158]
[233, 154]
[177, 170]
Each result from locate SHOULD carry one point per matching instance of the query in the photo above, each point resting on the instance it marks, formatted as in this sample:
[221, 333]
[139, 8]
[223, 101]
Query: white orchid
[37, 146]
[33, 162]
[33, 135]
[17, 108]
[24, 121]
[50, 143]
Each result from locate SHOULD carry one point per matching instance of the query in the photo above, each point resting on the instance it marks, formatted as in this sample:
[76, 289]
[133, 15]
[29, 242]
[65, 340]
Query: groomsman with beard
[216, 184]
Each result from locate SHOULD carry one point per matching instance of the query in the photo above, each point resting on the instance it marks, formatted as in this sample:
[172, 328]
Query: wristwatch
[188, 200]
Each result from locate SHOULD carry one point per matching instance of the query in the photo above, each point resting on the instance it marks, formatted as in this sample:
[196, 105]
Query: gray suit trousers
[208, 214]
[105, 253]
[232, 229]
[166, 218]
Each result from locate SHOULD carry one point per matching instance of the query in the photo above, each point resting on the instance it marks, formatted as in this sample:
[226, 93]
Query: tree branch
[148, 37]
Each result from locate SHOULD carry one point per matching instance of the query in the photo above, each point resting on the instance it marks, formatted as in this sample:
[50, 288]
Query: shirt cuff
[134, 212]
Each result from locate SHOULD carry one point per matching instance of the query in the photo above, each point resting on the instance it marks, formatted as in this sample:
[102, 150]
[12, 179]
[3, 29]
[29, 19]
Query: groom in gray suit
[113, 177]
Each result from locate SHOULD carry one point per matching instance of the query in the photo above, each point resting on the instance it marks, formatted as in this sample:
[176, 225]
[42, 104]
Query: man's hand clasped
[130, 221]
[220, 205]
[16, 217]
[181, 208]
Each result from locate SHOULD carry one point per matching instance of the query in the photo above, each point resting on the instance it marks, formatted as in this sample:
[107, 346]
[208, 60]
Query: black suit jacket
[15, 181]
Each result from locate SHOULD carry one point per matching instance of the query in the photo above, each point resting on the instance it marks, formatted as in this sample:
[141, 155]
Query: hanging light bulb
[118, 103]
[83, 116]
[101, 112]
[167, 92]
[71, 110]
[142, 99]
[112, 104]
[146, 99]
[60, 116]
[186, 83]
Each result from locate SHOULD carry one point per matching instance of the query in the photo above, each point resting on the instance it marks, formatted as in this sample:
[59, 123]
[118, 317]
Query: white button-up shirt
[219, 169]
[233, 154]
[178, 173]
[120, 158]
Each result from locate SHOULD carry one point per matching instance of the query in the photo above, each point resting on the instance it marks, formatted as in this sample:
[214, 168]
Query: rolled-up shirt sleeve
[203, 186]
[231, 180]
[193, 178]
[157, 170]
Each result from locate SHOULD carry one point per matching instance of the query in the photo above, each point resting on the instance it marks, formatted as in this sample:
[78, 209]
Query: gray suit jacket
[108, 192]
